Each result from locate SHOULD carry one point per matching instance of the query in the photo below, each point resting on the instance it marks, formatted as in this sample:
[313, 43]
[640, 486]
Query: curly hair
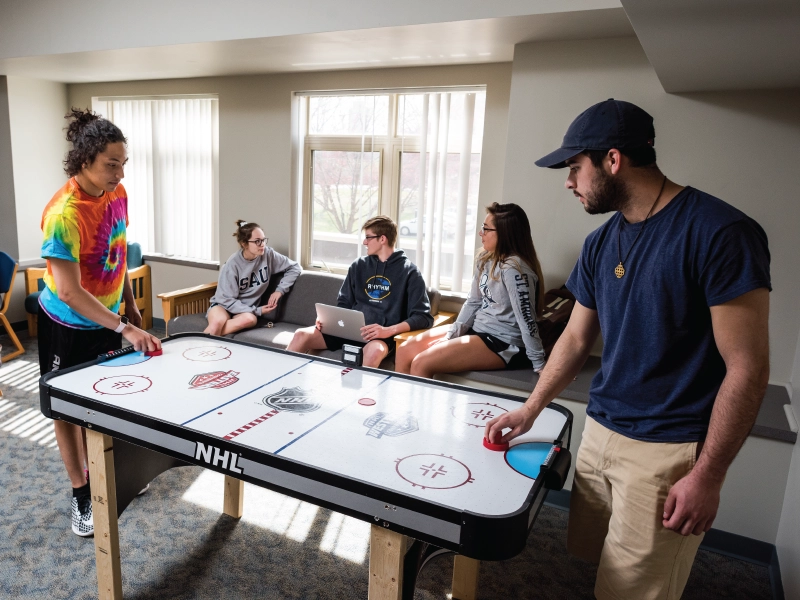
[89, 134]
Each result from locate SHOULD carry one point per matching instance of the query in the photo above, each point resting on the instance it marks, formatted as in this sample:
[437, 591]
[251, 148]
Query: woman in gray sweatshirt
[496, 328]
[243, 280]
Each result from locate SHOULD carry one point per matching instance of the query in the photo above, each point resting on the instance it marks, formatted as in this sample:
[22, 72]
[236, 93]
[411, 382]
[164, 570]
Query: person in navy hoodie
[384, 285]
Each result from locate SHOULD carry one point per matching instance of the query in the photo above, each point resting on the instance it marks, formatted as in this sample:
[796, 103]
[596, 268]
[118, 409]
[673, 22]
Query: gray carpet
[176, 544]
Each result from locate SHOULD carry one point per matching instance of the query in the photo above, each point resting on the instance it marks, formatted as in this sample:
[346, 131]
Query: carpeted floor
[175, 543]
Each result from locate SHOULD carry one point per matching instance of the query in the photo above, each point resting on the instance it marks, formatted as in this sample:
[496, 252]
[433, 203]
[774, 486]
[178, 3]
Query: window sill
[187, 262]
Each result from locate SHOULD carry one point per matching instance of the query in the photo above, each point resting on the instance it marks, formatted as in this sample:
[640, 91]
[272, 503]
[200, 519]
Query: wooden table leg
[104, 513]
[234, 497]
[387, 549]
[465, 578]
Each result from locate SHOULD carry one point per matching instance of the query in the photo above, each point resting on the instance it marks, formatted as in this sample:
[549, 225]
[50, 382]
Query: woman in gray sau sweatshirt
[496, 328]
[244, 279]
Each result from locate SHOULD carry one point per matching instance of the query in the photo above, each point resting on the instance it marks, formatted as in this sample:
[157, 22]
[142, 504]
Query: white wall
[8, 225]
[788, 542]
[255, 132]
[734, 145]
[38, 145]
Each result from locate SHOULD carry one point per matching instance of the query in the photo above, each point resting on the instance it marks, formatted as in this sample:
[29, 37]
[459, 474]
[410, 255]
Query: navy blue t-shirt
[661, 369]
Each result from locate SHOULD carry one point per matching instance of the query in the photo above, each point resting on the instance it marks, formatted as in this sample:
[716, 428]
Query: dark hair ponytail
[90, 134]
[244, 229]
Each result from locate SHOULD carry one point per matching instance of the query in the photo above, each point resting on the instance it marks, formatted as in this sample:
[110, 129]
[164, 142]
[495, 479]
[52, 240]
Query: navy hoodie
[388, 292]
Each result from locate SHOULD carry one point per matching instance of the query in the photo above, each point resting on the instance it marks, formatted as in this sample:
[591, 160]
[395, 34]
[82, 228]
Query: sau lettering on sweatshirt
[503, 304]
[388, 292]
[242, 282]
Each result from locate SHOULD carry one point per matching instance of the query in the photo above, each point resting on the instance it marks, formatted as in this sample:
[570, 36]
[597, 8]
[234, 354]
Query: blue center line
[248, 393]
[281, 449]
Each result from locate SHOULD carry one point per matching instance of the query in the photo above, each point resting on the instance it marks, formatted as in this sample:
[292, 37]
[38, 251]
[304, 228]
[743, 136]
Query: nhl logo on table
[393, 425]
[215, 379]
[293, 399]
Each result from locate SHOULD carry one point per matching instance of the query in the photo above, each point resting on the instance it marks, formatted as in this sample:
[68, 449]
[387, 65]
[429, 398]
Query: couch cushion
[434, 296]
[311, 287]
[277, 336]
[189, 324]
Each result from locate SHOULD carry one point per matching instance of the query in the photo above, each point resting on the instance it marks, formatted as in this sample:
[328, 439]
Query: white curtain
[445, 133]
[171, 173]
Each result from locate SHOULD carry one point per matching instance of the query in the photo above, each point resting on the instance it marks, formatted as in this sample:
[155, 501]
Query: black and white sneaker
[82, 522]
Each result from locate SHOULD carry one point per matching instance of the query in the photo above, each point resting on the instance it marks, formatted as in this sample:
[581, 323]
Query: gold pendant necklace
[619, 270]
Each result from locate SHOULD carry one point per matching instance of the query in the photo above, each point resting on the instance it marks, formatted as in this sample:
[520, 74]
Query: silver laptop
[341, 322]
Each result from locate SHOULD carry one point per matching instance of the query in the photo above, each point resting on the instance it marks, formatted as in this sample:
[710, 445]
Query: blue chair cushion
[32, 303]
[135, 259]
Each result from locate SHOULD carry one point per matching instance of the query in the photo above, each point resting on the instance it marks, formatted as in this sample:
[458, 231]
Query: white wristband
[121, 326]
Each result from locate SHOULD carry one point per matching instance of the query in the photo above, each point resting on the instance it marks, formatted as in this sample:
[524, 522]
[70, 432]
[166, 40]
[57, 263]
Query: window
[171, 176]
[413, 155]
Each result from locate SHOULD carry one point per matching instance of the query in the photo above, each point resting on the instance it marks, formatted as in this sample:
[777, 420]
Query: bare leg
[408, 350]
[305, 339]
[220, 321]
[239, 322]
[374, 353]
[71, 444]
[466, 353]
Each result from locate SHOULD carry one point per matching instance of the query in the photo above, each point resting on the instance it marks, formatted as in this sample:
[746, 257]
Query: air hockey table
[402, 453]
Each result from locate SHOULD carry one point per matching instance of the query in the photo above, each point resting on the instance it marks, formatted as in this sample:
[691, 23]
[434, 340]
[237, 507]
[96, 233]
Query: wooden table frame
[387, 548]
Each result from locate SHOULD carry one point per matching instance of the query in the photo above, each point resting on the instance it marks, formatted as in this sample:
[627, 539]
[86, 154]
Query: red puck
[366, 401]
[502, 447]
[153, 352]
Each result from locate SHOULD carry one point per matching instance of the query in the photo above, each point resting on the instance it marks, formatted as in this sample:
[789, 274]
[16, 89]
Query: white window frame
[389, 146]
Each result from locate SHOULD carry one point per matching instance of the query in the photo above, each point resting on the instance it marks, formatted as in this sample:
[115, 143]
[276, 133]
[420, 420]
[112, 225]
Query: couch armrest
[441, 318]
[187, 301]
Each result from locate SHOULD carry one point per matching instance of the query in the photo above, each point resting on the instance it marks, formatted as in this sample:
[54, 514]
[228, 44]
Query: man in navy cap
[678, 283]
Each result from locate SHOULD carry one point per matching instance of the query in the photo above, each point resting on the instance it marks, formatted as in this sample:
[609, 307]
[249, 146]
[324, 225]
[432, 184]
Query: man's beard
[607, 194]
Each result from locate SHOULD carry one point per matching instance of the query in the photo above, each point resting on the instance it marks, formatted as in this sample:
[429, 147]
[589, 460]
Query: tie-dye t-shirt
[89, 231]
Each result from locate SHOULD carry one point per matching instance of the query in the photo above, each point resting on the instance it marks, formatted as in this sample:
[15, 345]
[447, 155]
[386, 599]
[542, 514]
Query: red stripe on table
[251, 424]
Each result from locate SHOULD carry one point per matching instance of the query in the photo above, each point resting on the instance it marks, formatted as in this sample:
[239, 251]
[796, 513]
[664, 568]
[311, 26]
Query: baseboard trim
[720, 542]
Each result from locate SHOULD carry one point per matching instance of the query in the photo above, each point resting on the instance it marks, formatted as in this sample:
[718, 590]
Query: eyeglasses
[484, 229]
[371, 237]
[259, 241]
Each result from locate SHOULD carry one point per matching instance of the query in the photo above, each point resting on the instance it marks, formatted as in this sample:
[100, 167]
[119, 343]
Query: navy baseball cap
[609, 124]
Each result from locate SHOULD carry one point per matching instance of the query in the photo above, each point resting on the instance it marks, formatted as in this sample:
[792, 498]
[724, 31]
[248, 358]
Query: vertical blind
[171, 173]
[449, 170]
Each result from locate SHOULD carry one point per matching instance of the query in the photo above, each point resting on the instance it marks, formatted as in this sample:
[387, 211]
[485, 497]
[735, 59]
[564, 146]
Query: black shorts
[61, 346]
[514, 357]
[333, 342]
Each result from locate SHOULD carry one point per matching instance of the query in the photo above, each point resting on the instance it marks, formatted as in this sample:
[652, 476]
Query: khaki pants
[616, 508]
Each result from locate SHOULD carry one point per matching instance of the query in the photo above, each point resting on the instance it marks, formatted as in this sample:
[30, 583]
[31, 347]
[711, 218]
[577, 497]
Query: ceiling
[704, 45]
[463, 42]
[693, 45]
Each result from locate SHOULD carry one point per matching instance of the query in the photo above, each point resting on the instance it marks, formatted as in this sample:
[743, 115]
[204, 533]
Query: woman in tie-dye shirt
[85, 248]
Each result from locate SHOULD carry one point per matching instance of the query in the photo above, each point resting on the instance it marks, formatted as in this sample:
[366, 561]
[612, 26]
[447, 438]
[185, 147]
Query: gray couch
[296, 309]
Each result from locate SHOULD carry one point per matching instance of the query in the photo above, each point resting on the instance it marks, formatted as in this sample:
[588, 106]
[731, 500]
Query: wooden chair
[8, 272]
[140, 283]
